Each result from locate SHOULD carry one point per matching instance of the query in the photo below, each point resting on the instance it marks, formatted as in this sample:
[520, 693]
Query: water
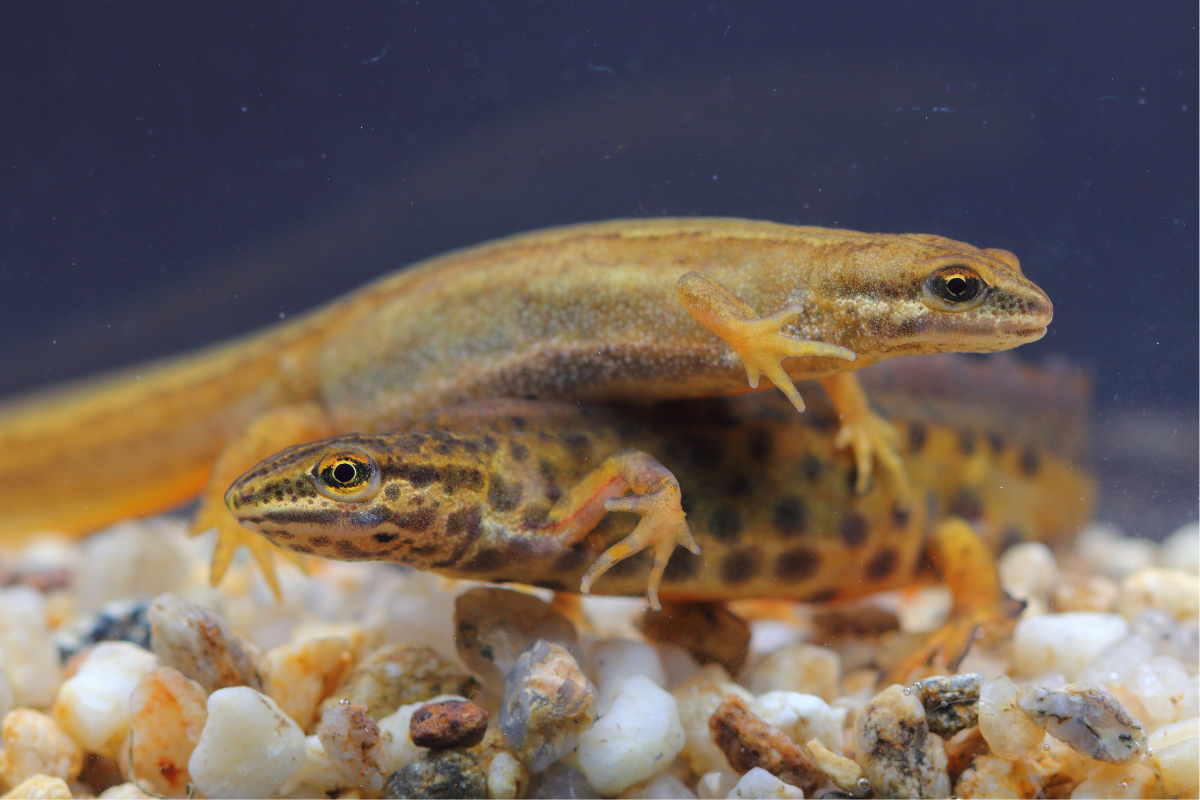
[175, 175]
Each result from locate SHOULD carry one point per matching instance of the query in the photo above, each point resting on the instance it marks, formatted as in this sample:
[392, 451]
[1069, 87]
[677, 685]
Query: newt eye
[346, 475]
[954, 288]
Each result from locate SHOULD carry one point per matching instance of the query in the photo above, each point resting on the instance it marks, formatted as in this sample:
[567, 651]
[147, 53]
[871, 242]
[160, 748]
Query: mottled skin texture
[581, 313]
[466, 492]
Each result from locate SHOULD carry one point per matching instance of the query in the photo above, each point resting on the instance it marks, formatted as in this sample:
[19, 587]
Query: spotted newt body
[509, 490]
[630, 310]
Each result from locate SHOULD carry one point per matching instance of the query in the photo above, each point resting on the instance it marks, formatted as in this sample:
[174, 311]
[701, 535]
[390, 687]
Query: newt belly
[515, 491]
[627, 311]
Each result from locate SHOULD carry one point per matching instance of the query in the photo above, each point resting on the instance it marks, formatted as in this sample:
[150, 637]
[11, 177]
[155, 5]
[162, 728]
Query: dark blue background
[171, 174]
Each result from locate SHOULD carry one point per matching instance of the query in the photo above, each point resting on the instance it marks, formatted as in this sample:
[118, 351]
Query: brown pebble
[749, 742]
[451, 723]
[860, 622]
[710, 632]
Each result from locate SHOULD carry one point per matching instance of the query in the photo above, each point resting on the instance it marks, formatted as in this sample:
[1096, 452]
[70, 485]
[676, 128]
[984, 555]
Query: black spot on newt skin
[966, 442]
[384, 538]
[464, 522]
[967, 504]
[760, 445]
[319, 541]
[579, 444]
[1029, 463]
[419, 475]
[811, 466]
[519, 451]
[741, 565]
[502, 495]
[457, 478]
[882, 564]
[517, 422]
[996, 442]
[725, 524]
[797, 564]
[853, 528]
[553, 492]
[683, 566]
[901, 515]
[790, 517]
[918, 434]
[392, 491]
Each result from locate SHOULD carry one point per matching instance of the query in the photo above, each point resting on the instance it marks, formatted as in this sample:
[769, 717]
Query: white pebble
[318, 776]
[615, 660]
[248, 748]
[506, 777]
[131, 559]
[1028, 571]
[30, 659]
[93, 705]
[1165, 690]
[1171, 591]
[662, 787]
[1174, 751]
[1106, 551]
[716, 784]
[1064, 643]
[638, 737]
[803, 668]
[758, 784]
[801, 716]
[1004, 726]
[696, 700]
[1181, 549]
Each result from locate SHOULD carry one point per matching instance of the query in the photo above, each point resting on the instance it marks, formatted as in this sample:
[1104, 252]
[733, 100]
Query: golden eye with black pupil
[346, 475]
[954, 288]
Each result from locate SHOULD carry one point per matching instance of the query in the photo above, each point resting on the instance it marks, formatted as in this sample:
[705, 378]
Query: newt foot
[757, 341]
[231, 536]
[663, 526]
[873, 437]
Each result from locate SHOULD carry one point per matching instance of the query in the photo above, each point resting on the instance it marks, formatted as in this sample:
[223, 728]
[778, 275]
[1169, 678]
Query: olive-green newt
[615, 311]
[519, 491]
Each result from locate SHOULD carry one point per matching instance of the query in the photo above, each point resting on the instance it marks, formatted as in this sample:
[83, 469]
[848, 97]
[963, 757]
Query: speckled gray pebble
[951, 702]
[439, 774]
[118, 621]
[198, 643]
[563, 781]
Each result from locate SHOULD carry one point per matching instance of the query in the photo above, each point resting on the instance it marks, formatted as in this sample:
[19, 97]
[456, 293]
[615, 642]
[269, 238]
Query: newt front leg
[760, 345]
[656, 499]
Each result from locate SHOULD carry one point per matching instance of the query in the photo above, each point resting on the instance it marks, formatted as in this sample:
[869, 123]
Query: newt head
[411, 497]
[928, 294]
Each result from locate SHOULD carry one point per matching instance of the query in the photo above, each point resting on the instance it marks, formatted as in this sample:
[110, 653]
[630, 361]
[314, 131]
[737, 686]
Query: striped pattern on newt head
[606, 312]
[482, 492]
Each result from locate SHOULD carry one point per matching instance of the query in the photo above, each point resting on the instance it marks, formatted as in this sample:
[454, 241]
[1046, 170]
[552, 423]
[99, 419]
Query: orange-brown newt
[761, 497]
[629, 310]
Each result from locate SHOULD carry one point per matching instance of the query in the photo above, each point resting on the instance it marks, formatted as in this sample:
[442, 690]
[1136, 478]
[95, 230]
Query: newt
[730, 499]
[628, 310]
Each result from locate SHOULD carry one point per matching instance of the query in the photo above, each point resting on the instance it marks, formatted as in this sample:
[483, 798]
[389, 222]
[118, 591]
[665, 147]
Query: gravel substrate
[124, 674]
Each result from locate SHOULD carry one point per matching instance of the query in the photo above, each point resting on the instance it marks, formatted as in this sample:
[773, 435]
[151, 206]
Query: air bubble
[864, 785]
